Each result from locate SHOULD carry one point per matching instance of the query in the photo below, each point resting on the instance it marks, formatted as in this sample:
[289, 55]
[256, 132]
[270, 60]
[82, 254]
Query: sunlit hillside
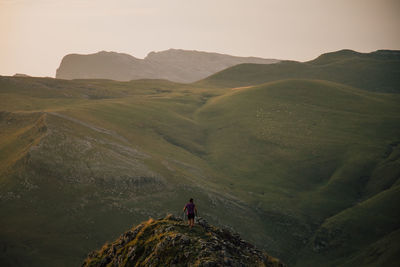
[296, 157]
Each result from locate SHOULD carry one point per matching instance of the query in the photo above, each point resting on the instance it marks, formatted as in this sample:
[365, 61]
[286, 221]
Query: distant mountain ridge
[376, 71]
[174, 64]
[346, 54]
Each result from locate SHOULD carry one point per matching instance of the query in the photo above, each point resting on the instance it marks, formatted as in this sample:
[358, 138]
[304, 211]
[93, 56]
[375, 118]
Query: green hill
[377, 71]
[302, 150]
[296, 166]
[83, 160]
[368, 232]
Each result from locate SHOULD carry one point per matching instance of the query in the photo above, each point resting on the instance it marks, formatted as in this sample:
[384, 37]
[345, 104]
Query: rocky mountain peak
[176, 65]
[170, 242]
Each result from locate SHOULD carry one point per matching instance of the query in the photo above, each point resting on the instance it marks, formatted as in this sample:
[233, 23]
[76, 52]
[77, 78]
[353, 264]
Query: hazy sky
[36, 34]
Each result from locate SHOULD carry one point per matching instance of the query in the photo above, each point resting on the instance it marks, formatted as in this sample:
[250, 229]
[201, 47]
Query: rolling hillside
[296, 165]
[378, 71]
[301, 151]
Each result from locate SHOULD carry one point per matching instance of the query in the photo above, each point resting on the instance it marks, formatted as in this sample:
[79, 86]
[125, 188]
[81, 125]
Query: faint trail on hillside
[242, 87]
[94, 128]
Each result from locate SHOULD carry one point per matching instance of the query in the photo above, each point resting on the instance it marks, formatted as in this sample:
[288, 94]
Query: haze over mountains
[174, 64]
[302, 159]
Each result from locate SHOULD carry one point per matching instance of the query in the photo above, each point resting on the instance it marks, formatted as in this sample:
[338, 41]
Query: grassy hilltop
[301, 158]
[169, 241]
[377, 71]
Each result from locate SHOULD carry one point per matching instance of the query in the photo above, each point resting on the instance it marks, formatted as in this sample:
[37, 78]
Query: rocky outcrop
[173, 64]
[170, 242]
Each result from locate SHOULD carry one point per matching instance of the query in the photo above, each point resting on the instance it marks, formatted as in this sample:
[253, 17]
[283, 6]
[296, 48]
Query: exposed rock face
[173, 64]
[170, 242]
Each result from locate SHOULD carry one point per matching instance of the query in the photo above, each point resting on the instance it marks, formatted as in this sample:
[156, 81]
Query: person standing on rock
[191, 211]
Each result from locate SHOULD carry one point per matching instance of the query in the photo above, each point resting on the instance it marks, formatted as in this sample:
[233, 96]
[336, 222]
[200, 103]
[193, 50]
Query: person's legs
[191, 220]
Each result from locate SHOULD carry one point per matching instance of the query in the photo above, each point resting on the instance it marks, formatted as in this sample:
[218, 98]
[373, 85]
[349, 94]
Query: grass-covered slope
[282, 162]
[299, 122]
[368, 232]
[377, 71]
[302, 150]
[169, 241]
[77, 170]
